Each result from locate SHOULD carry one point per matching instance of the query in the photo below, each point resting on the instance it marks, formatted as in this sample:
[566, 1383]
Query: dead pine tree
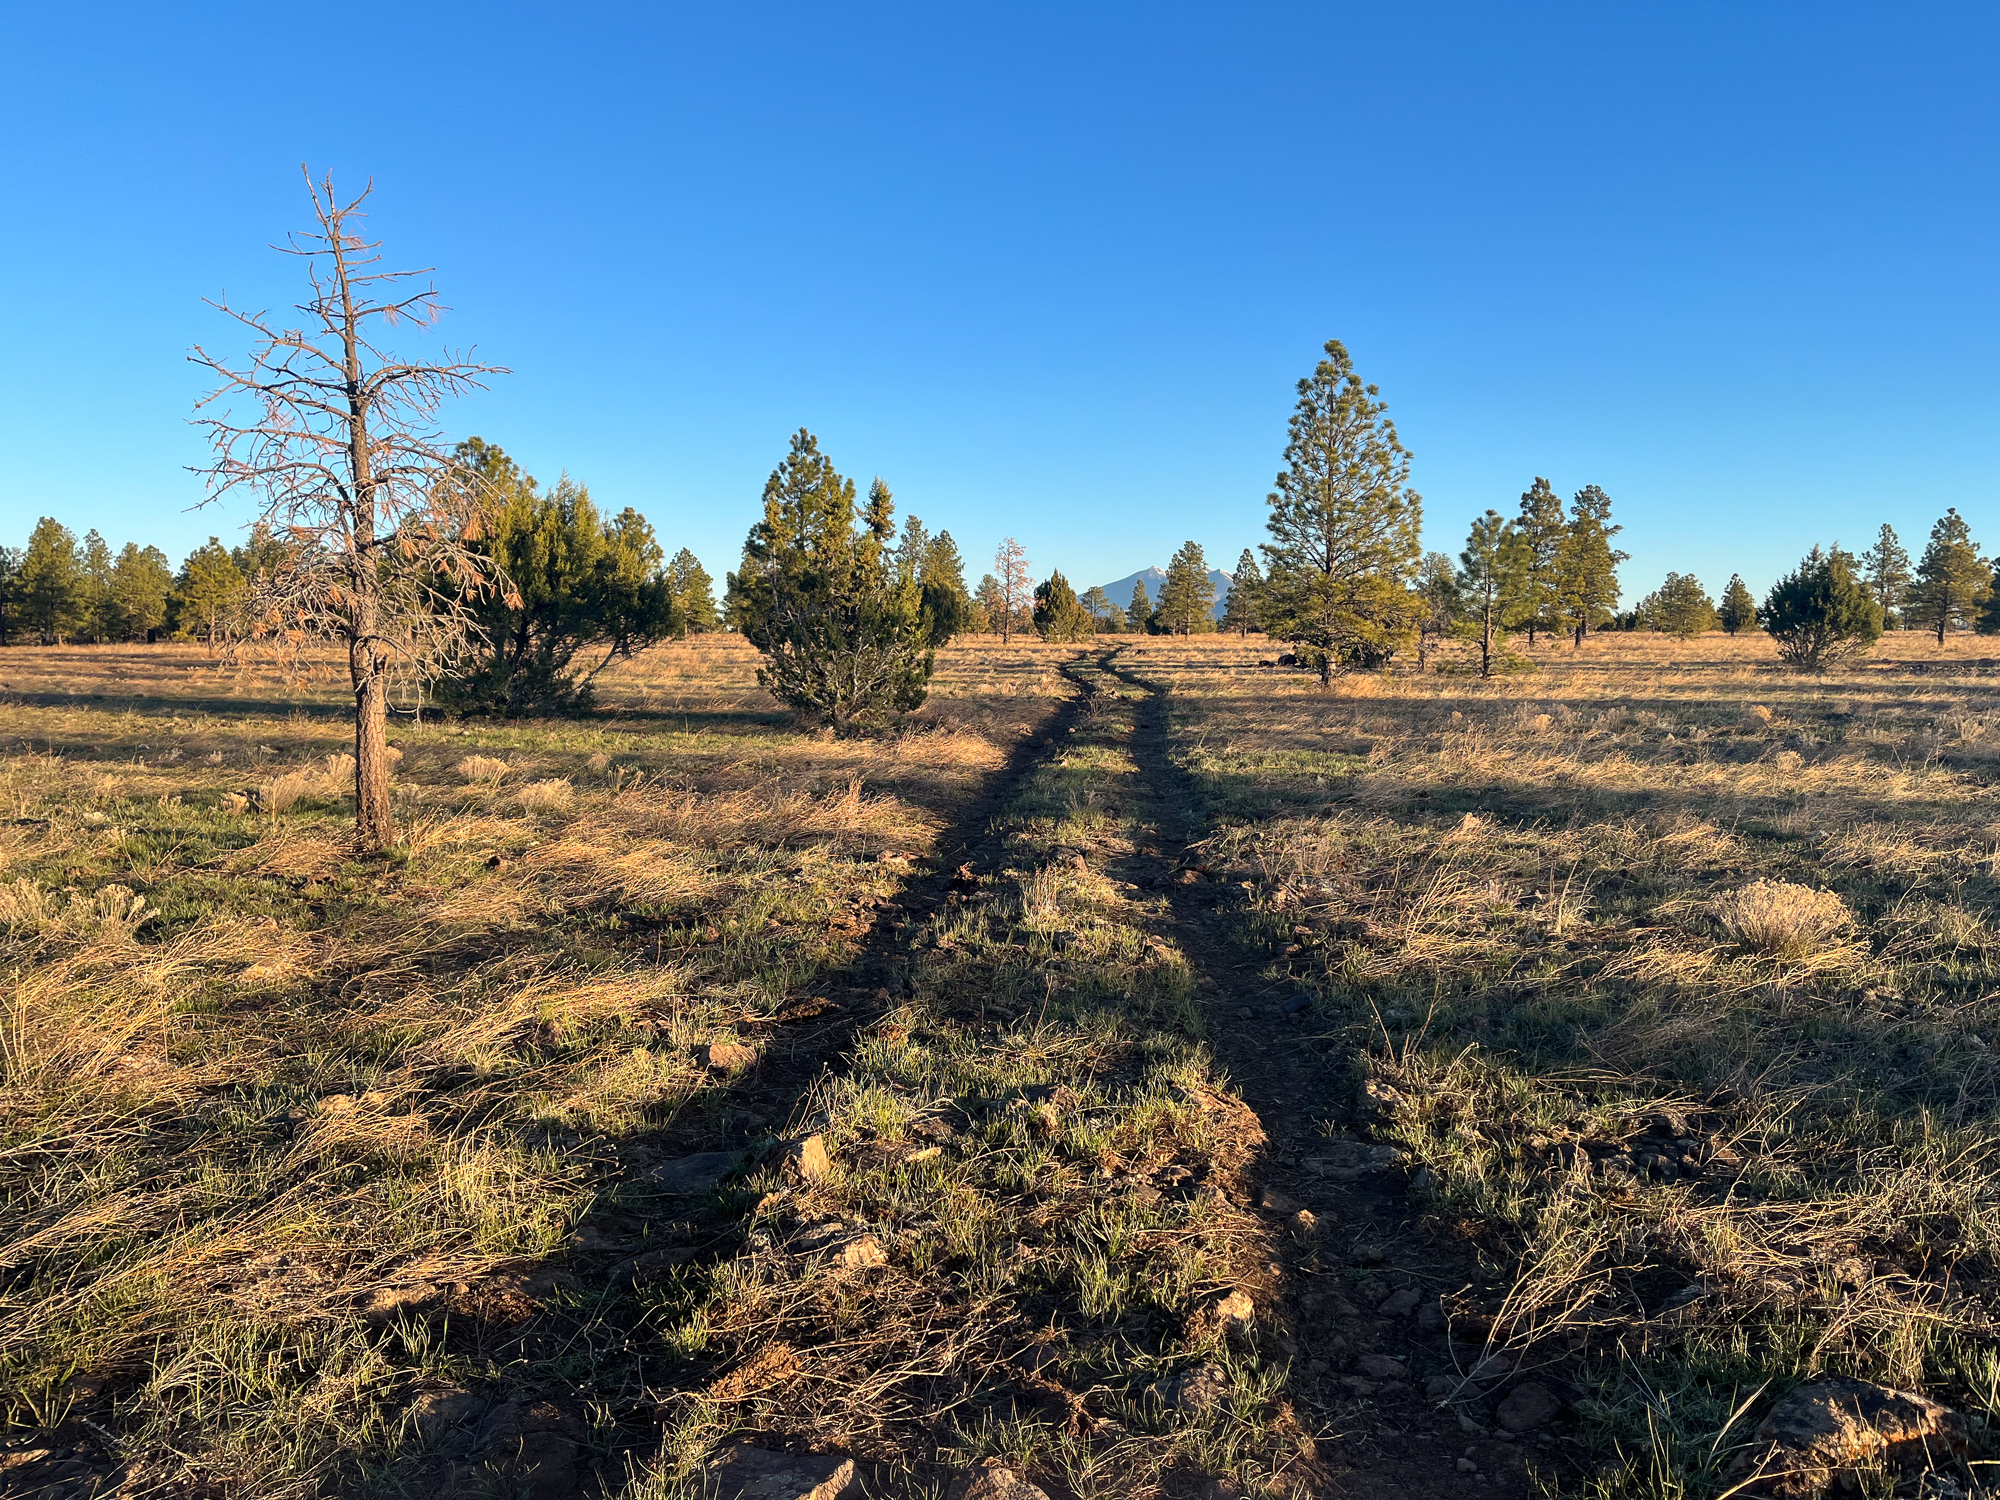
[352, 478]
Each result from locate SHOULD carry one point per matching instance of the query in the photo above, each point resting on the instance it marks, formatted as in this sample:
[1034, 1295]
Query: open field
[1143, 1069]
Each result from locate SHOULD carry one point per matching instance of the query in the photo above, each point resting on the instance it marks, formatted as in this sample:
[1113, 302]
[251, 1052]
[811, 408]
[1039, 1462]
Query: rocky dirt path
[1361, 1283]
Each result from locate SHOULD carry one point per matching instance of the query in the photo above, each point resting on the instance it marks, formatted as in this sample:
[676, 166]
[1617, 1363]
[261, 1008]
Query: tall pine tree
[1953, 581]
[1187, 597]
[1586, 586]
[1344, 525]
[1239, 611]
[1885, 569]
[1541, 526]
[1492, 578]
[1738, 610]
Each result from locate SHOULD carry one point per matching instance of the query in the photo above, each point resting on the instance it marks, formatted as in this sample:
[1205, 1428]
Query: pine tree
[1953, 581]
[1541, 527]
[100, 621]
[1492, 577]
[987, 605]
[1106, 616]
[1586, 575]
[1439, 604]
[1682, 608]
[844, 639]
[1344, 525]
[1059, 615]
[1886, 568]
[142, 583]
[208, 592]
[1821, 613]
[1139, 613]
[693, 594]
[947, 607]
[51, 585]
[10, 592]
[1738, 610]
[1239, 611]
[1187, 597]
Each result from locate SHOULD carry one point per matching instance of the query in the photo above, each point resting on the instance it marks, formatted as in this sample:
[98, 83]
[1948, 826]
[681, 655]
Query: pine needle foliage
[843, 636]
[1344, 526]
[1187, 596]
[1820, 613]
[1059, 614]
[1953, 581]
[1738, 610]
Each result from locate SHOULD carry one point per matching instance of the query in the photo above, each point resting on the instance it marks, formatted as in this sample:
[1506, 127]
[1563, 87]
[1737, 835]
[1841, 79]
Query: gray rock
[1527, 1407]
[746, 1473]
[702, 1172]
[1835, 1426]
[1199, 1389]
[1380, 1367]
[995, 1484]
[1400, 1304]
[435, 1414]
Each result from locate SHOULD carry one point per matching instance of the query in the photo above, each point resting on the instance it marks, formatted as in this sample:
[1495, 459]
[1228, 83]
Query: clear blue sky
[1053, 270]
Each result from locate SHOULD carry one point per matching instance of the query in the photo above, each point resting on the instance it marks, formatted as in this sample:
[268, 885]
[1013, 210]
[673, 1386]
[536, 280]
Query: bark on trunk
[374, 825]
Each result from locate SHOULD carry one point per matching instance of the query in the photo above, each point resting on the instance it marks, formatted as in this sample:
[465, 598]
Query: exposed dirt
[1373, 1297]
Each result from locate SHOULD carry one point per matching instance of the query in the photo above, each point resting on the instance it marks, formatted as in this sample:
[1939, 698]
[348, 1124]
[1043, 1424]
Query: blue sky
[1053, 270]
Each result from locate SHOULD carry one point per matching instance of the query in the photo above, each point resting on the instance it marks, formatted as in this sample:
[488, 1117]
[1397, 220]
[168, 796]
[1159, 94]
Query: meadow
[1141, 1070]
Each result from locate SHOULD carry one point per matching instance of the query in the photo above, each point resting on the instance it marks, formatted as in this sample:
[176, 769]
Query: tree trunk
[374, 825]
[1486, 644]
[1326, 669]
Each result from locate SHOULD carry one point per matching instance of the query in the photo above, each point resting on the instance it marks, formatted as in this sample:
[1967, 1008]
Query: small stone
[1400, 1304]
[727, 1057]
[1380, 1367]
[995, 1483]
[1221, 1489]
[645, 1266]
[1298, 1005]
[435, 1414]
[746, 1473]
[808, 1159]
[1245, 1013]
[1235, 1313]
[1527, 1407]
[1439, 1387]
[1199, 1389]
[859, 1255]
[702, 1172]
[1277, 1202]
[1430, 1317]
[1466, 1466]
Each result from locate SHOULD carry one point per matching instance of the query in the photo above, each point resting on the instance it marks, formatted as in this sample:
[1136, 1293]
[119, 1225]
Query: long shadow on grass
[643, 1259]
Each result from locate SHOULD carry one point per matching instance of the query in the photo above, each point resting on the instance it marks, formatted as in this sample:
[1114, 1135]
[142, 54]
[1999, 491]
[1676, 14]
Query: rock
[808, 1159]
[702, 1172]
[1528, 1406]
[727, 1057]
[859, 1255]
[1430, 1317]
[1380, 1367]
[995, 1483]
[1277, 1202]
[1298, 1005]
[1221, 1489]
[1465, 1466]
[435, 1414]
[1400, 1304]
[1235, 1314]
[649, 1264]
[1836, 1425]
[1440, 1387]
[532, 1444]
[746, 1473]
[1199, 1389]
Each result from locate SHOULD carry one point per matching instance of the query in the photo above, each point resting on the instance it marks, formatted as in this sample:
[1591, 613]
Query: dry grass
[1679, 974]
[1783, 919]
